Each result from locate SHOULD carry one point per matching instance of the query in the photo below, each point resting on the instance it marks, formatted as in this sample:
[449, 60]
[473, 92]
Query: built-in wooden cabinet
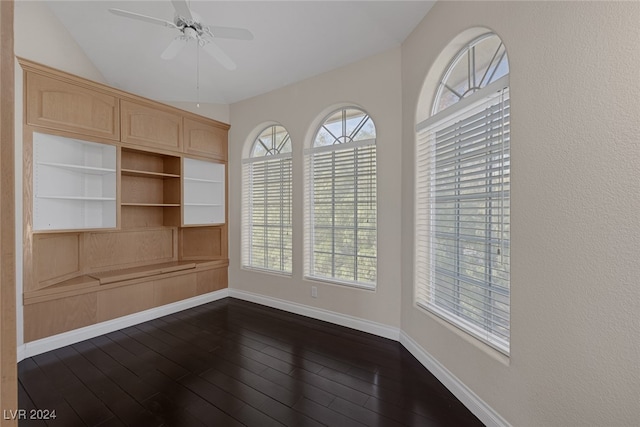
[54, 103]
[201, 243]
[150, 126]
[124, 201]
[150, 189]
[205, 138]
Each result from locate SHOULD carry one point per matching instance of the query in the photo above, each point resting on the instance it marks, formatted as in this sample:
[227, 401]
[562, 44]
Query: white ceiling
[293, 40]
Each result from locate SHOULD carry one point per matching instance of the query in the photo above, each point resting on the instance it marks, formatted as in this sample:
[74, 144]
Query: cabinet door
[205, 139]
[60, 105]
[204, 188]
[149, 126]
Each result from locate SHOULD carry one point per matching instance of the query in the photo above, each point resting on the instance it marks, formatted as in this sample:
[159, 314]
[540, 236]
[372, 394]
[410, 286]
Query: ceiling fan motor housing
[194, 23]
[190, 32]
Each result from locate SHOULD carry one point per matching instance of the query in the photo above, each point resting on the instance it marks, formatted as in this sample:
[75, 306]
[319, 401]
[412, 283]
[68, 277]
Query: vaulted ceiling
[293, 40]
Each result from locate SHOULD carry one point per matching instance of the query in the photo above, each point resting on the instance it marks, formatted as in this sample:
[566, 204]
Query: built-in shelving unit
[124, 203]
[150, 188]
[204, 192]
[74, 183]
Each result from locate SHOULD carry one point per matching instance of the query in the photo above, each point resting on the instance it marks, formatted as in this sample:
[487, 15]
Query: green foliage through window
[343, 201]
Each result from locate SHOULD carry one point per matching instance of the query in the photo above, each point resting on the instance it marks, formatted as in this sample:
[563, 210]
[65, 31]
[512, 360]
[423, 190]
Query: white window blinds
[267, 203]
[267, 240]
[462, 215]
[341, 213]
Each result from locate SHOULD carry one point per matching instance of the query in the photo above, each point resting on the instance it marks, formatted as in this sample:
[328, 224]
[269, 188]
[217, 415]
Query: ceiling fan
[191, 28]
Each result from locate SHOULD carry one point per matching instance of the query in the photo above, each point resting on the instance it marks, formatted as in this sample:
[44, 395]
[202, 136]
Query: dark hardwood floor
[234, 363]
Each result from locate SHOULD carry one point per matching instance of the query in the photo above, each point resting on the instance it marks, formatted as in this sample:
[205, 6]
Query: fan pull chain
[197, 75]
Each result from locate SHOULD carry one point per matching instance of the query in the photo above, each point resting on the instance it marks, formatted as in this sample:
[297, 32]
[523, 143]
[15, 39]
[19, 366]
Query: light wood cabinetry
[8, 318]
[202, 243]
[58, 104]
[204, 138]
[150, 126]
[150, 189]
[60, 315]
[116, 221]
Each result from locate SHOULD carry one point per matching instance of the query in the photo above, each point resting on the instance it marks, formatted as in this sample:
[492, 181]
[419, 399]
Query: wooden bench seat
[107, 277]
[97, 281]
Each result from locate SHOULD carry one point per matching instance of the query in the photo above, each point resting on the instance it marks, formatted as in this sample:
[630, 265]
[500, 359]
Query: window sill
[488, 348]
[265, 271]
[341, 283]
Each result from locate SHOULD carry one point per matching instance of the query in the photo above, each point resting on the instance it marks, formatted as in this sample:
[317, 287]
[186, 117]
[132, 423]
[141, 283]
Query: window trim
[464, 103]
[442, 82]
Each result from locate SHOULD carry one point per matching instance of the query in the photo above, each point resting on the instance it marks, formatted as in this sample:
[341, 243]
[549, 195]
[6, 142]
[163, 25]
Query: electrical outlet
[314, 292]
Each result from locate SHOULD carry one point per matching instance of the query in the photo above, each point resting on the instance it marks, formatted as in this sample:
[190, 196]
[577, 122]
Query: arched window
[266, 211]
[462, 262]
[341, 208]
[477, 65]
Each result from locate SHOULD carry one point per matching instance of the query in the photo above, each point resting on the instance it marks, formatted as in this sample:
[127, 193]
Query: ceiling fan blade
[182, 8]
[144, 18]
[174, 48]
[214, 50]
[230, 33]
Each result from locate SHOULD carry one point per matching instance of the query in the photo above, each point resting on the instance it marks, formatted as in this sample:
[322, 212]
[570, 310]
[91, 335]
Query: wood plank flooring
[234, 363]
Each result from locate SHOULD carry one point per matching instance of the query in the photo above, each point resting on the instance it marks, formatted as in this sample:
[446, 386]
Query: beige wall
[575, 277]
[575, 237]
[41, 37]
[218, 112]
[373, 84]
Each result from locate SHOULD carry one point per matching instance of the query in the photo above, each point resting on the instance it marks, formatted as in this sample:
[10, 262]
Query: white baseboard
[477, 406]
[67, 338]
[352, 322]
[21, 355]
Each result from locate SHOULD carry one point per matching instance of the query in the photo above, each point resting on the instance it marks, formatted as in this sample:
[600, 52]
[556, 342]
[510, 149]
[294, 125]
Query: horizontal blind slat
[490, 314]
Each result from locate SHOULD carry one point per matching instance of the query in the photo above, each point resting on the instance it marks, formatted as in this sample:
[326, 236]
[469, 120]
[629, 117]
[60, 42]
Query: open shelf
[95, 199]
[79, 168]
[149, 164]
[150, 189]
[203, 192]
[152, 204]
[146, 174]
[74, 184]
[212, 181]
